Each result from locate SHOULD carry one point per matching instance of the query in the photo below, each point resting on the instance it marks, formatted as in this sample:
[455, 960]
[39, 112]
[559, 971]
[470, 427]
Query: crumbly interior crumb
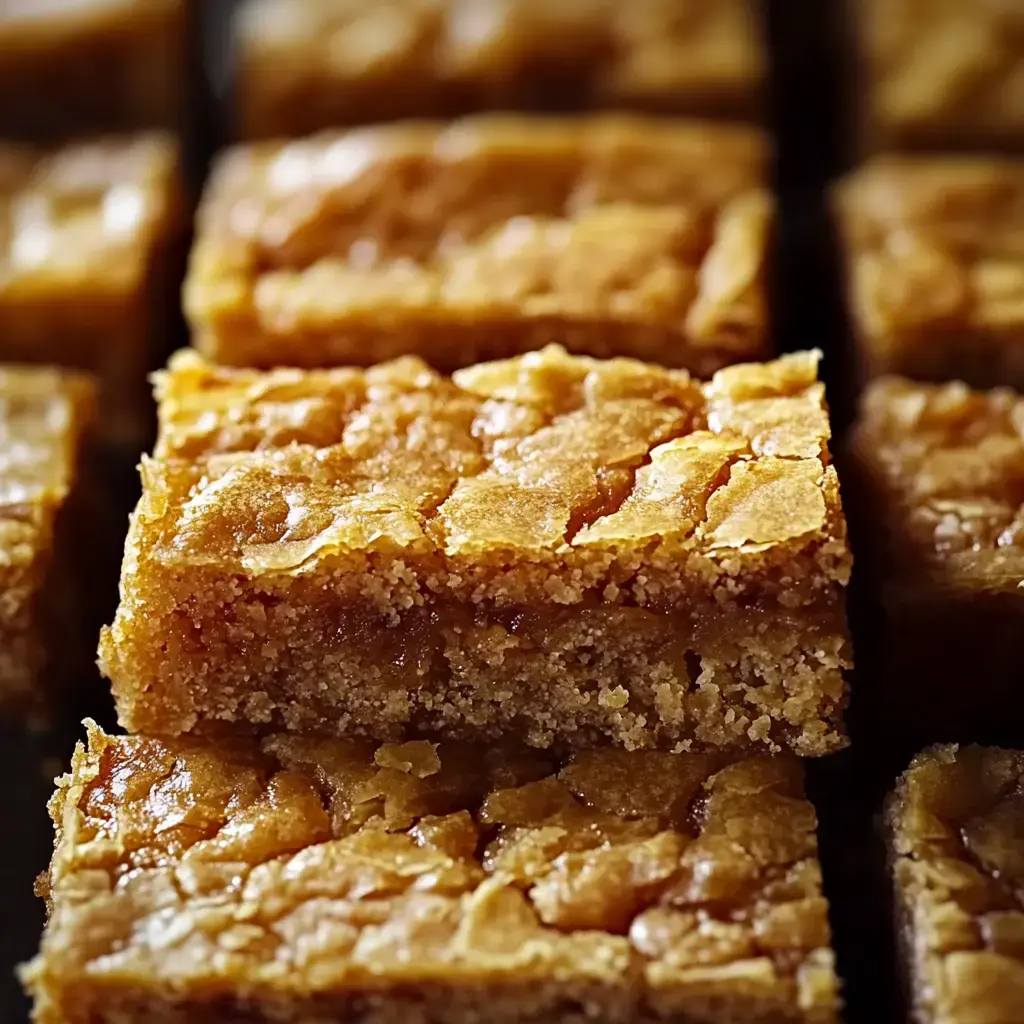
[431, 883]
[934, 250]
[312, 64]
[956, 820]
[552, 543]
[44, 414]
[485, 238]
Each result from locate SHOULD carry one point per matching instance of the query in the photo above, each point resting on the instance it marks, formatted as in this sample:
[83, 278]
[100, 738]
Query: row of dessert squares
[919, 73]
[476, 692]
[609, 591]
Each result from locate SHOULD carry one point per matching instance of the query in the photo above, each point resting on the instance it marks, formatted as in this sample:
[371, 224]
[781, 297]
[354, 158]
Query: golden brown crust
[492, 531]
[45, 415]
[196, 879]
[83, 233]
[485, 238]
[933, 248]
[306, 65]
[955, 823]
[941, 74]
[85, 66]
[950, 464]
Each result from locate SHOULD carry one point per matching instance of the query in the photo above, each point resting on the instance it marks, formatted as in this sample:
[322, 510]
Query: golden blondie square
[303, 880]
[74, 67]
[484, 238]
[567, 550]
[45, 420]
[934, 249]
[955, 825]
[939, 74]
[87, 240]
[941, 468]
[307, 65]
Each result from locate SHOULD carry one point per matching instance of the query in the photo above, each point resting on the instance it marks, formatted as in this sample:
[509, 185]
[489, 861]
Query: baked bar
[306, 65]
[935, 262]
[87, 240]
[939, 74]
[565, 549]
[45, 419]
[955, 825]
[423, 883]
[74, 67]
[941, 469]
[486, 238]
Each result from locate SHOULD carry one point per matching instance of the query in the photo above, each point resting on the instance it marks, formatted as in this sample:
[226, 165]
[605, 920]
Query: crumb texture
[484, 238]
[950, 462]
[942, 73]
[312, 64]
[302, 877]
[935, 276]
[539, 541]
[956, 825]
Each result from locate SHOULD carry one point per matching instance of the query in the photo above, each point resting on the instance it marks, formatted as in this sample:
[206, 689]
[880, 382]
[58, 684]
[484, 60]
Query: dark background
[809, 122]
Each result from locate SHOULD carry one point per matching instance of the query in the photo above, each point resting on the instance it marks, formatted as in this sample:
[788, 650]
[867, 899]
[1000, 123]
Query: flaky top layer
[303, 867]
[951, 461]
[85, 216]
[561, 473]
[409, 190]
[956, 821]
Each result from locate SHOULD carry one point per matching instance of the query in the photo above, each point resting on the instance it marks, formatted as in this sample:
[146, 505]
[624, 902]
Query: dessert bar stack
[485, 589]
[463, 697]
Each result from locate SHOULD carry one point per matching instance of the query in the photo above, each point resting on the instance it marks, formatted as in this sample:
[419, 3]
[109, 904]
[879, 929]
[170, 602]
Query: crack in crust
[955, 825]
[305, 65]
[548, 544]
[485, 238]
[640, 886]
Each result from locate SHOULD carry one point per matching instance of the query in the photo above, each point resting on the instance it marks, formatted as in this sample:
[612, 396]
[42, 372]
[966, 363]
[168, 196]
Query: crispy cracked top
[609, 219]
[935, 243]
[84, 217]
[950, 462]
[306, 62]
[957, 833]
[43, 415]
[543, 477]
[941, 68]
[305, 867]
